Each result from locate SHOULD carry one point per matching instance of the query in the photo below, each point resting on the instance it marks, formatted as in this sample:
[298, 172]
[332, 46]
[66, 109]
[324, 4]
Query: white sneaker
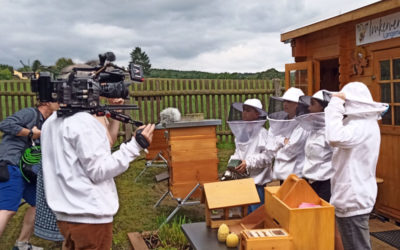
[21, 245]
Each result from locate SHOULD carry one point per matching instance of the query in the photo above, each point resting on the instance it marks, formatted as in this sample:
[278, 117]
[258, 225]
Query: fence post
[277, 86]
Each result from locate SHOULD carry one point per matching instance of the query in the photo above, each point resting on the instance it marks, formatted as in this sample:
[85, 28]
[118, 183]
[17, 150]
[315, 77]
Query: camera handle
[141, 140]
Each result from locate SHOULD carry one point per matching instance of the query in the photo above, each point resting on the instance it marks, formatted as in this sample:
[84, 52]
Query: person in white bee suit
[286, 137]
[246, 121]
[352, 129]
[317, 168]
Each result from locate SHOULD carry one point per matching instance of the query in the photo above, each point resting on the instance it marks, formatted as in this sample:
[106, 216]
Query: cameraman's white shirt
[78, 168]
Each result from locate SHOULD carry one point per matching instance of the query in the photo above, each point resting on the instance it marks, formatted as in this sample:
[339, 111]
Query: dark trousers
[323, 189]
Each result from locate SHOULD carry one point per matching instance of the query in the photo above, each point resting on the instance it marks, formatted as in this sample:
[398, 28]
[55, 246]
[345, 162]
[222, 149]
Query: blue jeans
[260, 191]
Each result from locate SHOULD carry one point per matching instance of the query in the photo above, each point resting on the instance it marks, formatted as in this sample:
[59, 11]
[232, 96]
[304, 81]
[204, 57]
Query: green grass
[136, 212]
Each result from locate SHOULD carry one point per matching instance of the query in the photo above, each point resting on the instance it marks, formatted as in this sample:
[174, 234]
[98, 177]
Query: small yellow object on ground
[232, 240]
[223, 232]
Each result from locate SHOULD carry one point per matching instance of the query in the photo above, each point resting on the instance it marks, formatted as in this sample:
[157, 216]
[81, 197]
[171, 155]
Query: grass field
[136, 211]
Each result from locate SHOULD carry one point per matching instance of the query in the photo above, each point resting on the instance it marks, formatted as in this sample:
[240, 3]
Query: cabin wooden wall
[340, 42]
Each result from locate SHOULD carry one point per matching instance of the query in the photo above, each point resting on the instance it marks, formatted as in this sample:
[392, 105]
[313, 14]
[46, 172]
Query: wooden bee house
[361, 45]
[192, 155]
[310, 228]
[226, 195]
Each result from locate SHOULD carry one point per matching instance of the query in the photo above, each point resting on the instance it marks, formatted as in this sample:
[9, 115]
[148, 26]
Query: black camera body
[82, 88]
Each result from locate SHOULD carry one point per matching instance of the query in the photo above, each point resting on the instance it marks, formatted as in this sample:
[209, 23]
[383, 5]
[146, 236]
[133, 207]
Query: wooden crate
[251, 240]
[311, 228]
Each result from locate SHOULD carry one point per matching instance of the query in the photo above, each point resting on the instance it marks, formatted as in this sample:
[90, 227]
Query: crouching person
[78, 172]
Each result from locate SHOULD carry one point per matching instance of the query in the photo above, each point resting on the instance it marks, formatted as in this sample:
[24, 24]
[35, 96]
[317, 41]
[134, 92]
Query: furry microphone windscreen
[170, 115]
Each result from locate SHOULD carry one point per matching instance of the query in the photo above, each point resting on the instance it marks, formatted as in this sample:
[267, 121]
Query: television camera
[80, 89]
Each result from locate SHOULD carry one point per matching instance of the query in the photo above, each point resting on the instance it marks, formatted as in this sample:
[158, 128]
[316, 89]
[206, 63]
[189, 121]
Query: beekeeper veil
[309, 117]
[359, 102]
[246, 119]
[282, 111]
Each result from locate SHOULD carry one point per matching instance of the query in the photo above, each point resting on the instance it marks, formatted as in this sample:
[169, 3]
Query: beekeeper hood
[359, 102]
[312, 121]
[243, 130]
[278, 112]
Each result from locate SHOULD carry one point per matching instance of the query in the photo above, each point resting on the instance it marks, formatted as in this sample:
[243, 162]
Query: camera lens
[114, 90]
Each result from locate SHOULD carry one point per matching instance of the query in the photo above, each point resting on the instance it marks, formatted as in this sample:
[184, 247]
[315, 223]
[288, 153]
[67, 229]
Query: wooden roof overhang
[378, 7]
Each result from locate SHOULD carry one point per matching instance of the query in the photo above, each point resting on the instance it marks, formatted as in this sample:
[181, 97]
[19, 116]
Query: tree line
[139, 57]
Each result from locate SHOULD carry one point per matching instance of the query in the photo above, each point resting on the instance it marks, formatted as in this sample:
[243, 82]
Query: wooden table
[202, 237]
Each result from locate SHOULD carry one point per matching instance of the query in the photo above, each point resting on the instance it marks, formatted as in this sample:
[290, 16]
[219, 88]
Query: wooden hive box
[311, 228]
[158, 144]
[192, 155]
[225, 195]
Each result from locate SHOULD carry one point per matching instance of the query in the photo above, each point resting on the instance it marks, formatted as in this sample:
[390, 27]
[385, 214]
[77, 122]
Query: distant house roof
[366, 11]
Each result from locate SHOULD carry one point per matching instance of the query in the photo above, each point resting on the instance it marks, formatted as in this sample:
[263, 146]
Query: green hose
[31, 156]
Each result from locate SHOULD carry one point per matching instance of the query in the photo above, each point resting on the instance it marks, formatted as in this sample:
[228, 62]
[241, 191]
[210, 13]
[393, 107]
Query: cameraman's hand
[147, 132]
[116, 101]
[36, 133]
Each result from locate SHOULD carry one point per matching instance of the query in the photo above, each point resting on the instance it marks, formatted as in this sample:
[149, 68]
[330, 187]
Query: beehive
[192, 155]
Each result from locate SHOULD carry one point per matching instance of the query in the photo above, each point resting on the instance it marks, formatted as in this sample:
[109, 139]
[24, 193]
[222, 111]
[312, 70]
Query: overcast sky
[204, 35]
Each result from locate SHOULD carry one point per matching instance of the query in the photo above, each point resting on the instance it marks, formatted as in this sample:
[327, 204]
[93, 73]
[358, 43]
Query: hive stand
[158, 147]
[192, 160]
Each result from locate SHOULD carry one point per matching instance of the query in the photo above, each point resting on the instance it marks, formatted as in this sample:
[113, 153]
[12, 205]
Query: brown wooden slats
[211, 97]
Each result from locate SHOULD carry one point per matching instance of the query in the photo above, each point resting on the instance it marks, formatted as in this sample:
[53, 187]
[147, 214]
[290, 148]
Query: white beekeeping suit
[250, 138]
[318, 152]
[352, 129]
[286, 137]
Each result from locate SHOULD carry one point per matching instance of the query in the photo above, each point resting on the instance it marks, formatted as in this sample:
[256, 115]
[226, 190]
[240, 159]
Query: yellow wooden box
[311, 228]
[266, 239]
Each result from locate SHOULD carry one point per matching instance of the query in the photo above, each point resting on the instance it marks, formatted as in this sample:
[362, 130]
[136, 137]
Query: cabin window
[299, 75]
[389, 83]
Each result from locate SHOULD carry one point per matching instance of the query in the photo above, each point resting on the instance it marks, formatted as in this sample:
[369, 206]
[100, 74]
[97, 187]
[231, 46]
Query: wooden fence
[211, 97]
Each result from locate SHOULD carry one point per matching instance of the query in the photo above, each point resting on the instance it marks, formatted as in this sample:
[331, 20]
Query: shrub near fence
[211, 97]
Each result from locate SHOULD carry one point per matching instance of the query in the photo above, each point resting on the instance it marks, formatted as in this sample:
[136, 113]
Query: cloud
[208, 35]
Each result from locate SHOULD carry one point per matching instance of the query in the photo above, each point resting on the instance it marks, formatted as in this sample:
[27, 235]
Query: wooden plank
[204, 130]
[137, 241]
[158, 101]
[2, 102]
[151, 103]
[231, 193]
[199, 173]
[190, 145]
[197, 155]
[196, 98]
[162, 177]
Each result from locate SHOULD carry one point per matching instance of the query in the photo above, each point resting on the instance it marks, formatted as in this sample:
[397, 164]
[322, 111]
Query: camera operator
[19, 130]
[78, 169]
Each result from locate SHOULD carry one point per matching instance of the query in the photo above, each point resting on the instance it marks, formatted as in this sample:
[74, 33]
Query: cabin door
[299, 75]
[329, 75]
[386, 78]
